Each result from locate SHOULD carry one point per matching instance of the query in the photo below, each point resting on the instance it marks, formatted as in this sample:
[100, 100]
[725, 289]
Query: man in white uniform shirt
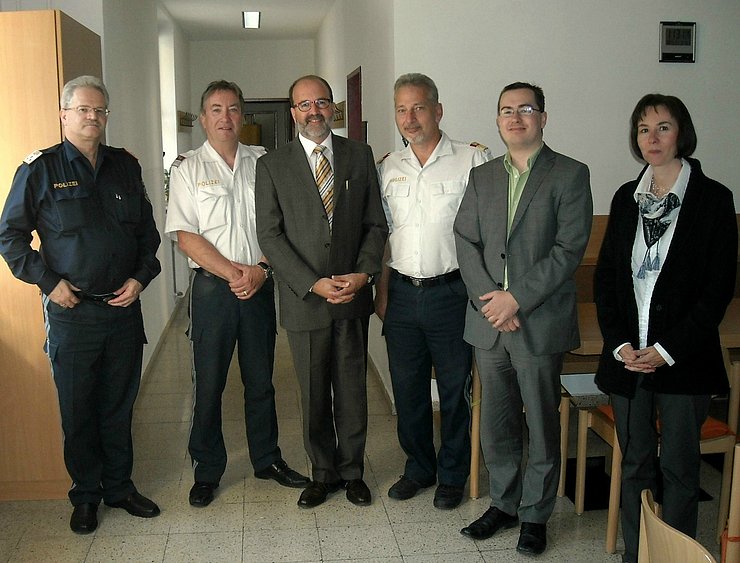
[211, 215]
[421, 297]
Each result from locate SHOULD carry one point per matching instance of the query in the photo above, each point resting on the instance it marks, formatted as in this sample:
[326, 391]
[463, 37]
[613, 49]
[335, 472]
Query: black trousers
[219, 322]
[331, 366]
[681, 418]
[424, 327]
[95, 352]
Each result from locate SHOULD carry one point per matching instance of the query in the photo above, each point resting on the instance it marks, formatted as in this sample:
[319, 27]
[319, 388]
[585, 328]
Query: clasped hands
[247, 280]
[64, 294]
[500, 310]
[339, 289]
[645, 360]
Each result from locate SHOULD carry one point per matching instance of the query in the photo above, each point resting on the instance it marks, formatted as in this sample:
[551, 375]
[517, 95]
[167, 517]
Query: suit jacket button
[500, 284]
[503, 255]
[327, 244]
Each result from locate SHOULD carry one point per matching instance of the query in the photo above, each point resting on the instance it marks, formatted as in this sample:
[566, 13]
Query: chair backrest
[660, 543]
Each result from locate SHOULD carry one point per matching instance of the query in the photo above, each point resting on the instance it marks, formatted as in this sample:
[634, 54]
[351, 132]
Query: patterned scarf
[657, 214]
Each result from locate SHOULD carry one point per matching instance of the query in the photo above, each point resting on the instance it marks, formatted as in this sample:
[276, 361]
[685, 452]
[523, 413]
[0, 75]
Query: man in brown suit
[321, 224]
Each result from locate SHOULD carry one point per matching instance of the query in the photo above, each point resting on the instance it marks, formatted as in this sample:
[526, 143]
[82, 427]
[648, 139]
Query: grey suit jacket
[548, 236]
[294, 234]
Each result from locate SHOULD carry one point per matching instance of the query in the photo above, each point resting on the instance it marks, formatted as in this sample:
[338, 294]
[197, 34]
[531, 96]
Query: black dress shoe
[532, 538]
[280, 472]
[358, 493]
[137, 505]
[84, 518]
[491, 522]
[201, 493]
[316, 493]
[448, 497]
[405, 488]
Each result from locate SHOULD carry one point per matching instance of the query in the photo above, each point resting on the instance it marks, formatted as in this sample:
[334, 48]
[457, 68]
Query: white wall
[594, 59]
[356, 33]
[174, 80]
[131, 74]
[261, 68]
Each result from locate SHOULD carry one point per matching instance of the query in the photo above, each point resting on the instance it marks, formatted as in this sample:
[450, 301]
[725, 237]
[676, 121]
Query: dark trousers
[424, 327]
[681, 418]
[95, 352]
[331, 367]
[218, 322]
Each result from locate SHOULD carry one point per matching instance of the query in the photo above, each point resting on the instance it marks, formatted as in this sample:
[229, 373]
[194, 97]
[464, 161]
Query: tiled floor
[253, 520]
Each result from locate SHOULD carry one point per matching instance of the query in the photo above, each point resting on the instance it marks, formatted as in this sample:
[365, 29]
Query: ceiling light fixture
[251, 20]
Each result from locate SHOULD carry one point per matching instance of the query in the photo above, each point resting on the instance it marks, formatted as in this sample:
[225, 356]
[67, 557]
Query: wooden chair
[660, 543]
[572, 363]
[731, 549]
[717, 437]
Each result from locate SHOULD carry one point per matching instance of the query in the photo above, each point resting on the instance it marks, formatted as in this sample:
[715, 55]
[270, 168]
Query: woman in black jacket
[665, 275]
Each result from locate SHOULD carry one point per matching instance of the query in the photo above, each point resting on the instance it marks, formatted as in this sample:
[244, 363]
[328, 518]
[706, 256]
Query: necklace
[657, 190]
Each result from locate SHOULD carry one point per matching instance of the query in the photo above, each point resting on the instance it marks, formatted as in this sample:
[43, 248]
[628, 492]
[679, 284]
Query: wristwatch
[267, 269]
[370, 279]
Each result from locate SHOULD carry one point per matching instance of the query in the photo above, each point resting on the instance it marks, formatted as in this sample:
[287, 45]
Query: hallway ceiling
[212, 20]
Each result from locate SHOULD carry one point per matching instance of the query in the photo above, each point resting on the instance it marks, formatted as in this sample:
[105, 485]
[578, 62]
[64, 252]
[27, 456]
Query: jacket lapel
[539, 172]
[341, 167]
[302, 168]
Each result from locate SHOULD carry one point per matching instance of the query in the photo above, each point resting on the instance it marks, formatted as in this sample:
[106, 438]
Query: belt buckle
[417, 282]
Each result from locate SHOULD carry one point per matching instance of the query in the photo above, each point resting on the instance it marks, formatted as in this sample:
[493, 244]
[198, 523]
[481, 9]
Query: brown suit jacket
[294, 234]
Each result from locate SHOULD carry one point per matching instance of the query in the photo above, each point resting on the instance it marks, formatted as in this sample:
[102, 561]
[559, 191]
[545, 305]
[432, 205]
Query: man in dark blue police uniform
[88, 204]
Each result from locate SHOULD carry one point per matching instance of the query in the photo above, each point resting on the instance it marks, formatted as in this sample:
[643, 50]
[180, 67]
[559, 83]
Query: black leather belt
[97, 297]
[429, 282]
[205, 273]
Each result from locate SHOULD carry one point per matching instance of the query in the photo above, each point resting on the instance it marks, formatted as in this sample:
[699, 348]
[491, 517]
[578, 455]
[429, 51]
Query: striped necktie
[325, 181]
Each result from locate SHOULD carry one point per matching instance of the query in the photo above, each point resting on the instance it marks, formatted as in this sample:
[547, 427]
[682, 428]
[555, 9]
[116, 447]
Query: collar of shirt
[512, 170]
[309, 146]
[72, 153]
[678, 188]
[215, 157]
[444, 147]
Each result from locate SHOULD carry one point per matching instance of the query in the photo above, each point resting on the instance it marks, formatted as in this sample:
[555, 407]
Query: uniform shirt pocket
[74, 207]
[128, 207]
[396, 194]
[213, 207]
[445, 199]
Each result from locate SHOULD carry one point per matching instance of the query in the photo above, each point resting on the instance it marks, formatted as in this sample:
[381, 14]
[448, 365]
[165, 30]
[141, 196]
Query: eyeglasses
[521, 110]
[321, 103]
[82, 111]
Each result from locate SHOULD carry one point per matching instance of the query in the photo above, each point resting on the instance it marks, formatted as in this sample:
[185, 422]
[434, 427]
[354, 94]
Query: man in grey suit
[321, 224]
[520, 233]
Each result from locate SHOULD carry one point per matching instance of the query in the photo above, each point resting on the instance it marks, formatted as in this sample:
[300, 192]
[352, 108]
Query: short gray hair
[419, 80]
[82, 82]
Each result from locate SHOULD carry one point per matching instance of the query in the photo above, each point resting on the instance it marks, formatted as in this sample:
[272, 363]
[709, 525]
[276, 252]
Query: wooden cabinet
[39, 52]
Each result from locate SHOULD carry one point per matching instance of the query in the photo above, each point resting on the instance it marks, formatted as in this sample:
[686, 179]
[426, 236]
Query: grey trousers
[513, 378]
[681, 417]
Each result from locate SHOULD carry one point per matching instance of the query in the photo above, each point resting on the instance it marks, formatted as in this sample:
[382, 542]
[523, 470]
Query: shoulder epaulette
[177, 161]
[382, 159]
[478, 146]
[33, 156]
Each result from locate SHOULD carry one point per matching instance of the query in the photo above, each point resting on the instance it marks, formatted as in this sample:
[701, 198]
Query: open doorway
[267, 122]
